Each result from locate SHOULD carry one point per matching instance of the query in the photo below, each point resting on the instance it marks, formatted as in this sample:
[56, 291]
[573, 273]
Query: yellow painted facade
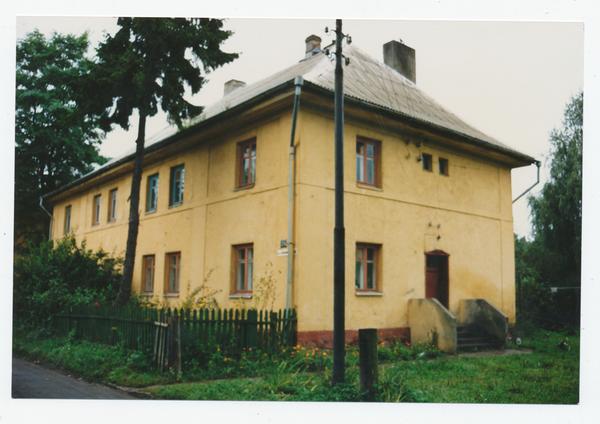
[467, 214]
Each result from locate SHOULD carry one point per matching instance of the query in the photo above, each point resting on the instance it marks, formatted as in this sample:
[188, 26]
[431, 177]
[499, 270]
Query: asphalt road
[31, 381]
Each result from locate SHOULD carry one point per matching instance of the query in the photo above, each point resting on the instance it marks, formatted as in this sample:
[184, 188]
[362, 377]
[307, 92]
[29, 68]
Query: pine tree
[144, 66]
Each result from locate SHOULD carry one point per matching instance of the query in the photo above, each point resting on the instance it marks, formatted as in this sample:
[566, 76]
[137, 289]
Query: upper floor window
[96, 211]
[443, 166]
[148, 274]
[152, 193]
[427, 162]
[173, 272]
[177, 175]
[367, 161]
[112, 207]
[247, 163]
[67, 219]
[244, 268]
[367, 258]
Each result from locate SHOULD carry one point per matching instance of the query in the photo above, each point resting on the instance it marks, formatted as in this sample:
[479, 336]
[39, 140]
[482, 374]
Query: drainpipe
[538, 164]
[290, 246]
[50, 215]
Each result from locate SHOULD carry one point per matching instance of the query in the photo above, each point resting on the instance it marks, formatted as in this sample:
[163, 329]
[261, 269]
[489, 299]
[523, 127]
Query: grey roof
[365, 79]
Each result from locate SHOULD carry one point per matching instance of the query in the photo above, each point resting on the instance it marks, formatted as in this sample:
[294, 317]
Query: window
[96, 213]
[173, 271]
[443, 165]
[112, 207]
[367, 161]
[367, 258]
[176, 197]
[148, 274]
[244, 265]
[427, 162]
[67, 219]
[247, 163]
[152, 193]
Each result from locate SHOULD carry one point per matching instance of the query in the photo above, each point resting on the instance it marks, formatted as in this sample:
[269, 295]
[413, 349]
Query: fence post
[174, 345]
[252, 328]
[367, 362]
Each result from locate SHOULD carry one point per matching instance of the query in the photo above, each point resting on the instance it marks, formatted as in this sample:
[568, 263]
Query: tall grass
[545, 375]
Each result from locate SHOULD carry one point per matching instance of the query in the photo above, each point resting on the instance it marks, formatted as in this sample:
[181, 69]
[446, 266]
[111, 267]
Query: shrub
[47, 278]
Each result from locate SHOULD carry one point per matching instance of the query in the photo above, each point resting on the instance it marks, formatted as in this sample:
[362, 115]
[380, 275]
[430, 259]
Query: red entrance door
[436, 276]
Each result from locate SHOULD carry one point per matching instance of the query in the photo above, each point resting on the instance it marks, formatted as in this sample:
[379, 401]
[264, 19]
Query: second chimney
[313, 45]
[401, 58]
[232, 85]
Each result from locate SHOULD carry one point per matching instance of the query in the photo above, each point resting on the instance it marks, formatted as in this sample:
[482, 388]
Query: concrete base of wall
[324, 339]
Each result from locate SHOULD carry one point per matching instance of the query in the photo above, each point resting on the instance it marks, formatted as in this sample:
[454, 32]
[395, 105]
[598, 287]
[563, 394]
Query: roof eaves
[129, 156]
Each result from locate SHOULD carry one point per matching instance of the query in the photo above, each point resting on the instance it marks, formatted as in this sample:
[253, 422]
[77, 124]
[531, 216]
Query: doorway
[436, 276]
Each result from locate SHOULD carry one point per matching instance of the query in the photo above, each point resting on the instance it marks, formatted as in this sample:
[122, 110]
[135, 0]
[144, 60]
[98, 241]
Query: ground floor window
[148, 274]
[173, 272]
[244, 267]
[367, 264]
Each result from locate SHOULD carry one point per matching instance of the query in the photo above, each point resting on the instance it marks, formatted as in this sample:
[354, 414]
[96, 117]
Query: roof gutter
[414, 122]
[49, 214]
[538, 164]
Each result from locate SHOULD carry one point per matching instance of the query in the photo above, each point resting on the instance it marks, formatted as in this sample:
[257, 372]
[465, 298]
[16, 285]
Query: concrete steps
[472, 338]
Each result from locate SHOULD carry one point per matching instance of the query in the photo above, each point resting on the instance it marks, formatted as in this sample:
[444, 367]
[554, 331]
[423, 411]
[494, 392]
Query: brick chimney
[313, 45]
[401, 58]
[232, 85]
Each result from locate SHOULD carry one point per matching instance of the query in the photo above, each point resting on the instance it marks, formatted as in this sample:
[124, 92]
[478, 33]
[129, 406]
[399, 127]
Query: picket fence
[146, 328]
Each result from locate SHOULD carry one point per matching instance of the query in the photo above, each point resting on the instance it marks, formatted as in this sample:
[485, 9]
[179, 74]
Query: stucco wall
[471, 206]
[469, 210]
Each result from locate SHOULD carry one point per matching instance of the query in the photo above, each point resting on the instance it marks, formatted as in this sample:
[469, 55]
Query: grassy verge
[549, 375]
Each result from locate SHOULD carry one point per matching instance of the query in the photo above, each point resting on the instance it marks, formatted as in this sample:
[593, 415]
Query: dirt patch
[489, 353]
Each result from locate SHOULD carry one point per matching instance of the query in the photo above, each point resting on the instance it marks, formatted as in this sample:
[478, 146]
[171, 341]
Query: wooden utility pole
[339, 232]
[174, 344]
[367, 361]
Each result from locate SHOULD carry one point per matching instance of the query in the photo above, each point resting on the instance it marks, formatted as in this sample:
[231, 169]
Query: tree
[556, 212]
[56, 274]
[146, 64]
[56, 142]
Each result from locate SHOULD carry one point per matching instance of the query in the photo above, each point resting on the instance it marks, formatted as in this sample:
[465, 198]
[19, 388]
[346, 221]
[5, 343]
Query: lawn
[547, 375]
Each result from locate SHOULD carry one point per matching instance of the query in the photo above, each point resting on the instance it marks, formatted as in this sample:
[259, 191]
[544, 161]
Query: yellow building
[428, 209]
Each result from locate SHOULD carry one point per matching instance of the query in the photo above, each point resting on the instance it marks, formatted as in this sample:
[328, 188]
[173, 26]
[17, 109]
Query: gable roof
[365, 80]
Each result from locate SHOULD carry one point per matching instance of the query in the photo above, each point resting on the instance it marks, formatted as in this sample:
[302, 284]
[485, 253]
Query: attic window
[427, 162]
[443, 166]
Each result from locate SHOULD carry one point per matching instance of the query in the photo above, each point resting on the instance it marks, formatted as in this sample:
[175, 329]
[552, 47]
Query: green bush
[48, 278]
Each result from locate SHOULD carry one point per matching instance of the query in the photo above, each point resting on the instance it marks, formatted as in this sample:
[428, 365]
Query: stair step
[470, 337]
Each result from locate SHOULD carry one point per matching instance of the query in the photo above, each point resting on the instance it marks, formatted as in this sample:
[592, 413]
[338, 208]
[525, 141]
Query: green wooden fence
[143, 328]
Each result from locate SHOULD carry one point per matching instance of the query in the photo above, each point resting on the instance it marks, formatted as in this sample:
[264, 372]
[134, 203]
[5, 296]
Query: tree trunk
[134, 217]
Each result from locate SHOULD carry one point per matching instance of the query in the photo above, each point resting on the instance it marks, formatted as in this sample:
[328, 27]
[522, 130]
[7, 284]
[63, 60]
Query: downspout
[290, 246]
[538, 164]
[50, 215]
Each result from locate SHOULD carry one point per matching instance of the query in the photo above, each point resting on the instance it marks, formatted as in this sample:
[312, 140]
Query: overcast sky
[507, 68]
